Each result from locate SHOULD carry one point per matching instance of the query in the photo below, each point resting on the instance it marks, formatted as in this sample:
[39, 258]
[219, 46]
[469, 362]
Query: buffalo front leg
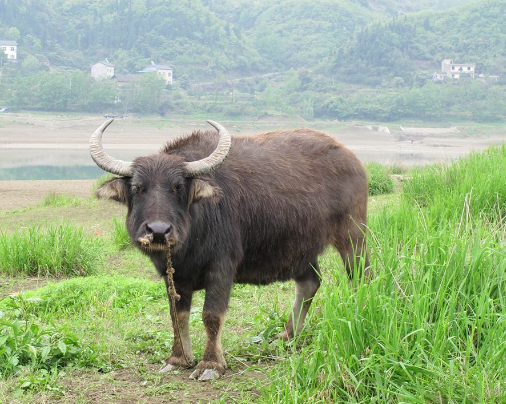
[213, 363]
[181, 348]
[305, 289]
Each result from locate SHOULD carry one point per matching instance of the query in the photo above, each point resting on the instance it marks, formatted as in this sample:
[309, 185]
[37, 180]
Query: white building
[10, 49]
[455, 70]
[102, 70]
[164, 71]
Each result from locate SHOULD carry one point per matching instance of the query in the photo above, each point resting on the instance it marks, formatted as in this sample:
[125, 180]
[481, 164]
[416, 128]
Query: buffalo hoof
[175, 363]
[207, 371]
[168, 368]
[284, 336]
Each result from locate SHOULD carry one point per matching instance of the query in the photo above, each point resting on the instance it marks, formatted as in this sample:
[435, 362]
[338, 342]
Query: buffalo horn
[102, 159]
[218, 156]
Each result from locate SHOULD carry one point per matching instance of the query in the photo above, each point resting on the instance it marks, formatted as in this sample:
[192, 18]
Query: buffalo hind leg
[181, 348]
[305, 289]
[213, 363]
[351, 244]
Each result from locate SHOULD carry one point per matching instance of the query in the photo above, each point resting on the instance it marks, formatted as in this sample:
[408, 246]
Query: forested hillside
[350, 59]
[130, 32]
[407, 45]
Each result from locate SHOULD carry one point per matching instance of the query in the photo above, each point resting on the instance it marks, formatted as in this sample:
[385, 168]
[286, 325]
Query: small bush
[52, 251]
[23, 343]
[120, 236]
[59, 200]
[379, 180]
[85, 295]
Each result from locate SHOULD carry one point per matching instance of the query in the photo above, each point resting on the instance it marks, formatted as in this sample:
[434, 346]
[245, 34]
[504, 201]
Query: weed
[475, 183]
[379, 179]
[428, 327]
[53, 251]
[24, 343]
[58, 200]
[120, 236]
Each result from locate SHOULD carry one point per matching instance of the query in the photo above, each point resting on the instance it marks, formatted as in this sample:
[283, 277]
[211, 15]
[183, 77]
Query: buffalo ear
[115, 189]
[201, 189]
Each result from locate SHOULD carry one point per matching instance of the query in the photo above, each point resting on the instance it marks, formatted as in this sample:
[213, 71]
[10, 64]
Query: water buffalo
[252, 209]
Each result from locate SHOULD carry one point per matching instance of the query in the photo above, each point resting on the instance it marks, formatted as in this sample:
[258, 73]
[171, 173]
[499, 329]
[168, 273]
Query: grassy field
[429, 327]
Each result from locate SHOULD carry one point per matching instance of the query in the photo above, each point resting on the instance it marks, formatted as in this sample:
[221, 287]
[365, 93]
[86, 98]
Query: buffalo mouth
[147, 243]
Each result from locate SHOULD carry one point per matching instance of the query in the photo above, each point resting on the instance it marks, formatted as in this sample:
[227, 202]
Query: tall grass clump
[53, 251]
[379, 179]
[120, 236]
[430, 327]
[474, 185]
[58, 200]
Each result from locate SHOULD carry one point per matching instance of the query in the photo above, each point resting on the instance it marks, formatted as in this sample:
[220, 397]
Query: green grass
[429, 327]
[431, 324]
[379, 179]
[53, 251]
[120, 236]
[58, 200]
[473, 186]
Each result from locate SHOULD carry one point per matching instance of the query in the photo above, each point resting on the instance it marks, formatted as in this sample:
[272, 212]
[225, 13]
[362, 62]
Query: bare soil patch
[21, 194]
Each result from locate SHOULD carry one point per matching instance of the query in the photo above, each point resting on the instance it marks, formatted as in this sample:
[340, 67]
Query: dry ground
[43, 139]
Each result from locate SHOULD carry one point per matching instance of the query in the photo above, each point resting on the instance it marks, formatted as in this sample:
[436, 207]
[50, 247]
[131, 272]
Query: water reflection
[50, 173]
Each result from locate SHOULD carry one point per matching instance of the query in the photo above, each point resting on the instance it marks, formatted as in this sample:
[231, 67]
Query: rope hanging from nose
[174, 297]
[171, 291]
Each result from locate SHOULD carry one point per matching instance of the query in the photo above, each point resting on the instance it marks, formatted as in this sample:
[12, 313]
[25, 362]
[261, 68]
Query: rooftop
[8, 43]
[153, 67]
[106, 63]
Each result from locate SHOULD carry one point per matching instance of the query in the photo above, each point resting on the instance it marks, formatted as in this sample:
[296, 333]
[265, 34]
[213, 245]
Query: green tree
[80, 88]
[54, 91]
[148, 93]
[30, 65]
[103, 95]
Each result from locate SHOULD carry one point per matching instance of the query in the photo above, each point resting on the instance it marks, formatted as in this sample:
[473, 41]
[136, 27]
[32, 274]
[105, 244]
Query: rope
[174, 297]
[171, 291]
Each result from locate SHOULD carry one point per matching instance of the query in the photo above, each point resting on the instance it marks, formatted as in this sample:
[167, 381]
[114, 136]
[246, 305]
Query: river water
[32, 150]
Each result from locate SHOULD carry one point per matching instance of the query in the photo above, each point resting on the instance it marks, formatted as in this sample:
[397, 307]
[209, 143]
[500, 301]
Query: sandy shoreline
[31, 140]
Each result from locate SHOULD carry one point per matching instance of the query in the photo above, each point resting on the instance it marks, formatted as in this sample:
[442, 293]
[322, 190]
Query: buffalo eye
[136, 189]
[178, 187]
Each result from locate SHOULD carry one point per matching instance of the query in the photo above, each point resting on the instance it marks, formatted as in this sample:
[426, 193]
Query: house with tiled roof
[102, 70]
[164, 71]
[456, 70]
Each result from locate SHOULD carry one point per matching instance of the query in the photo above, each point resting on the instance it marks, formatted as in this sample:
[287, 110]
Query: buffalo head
[159, 190]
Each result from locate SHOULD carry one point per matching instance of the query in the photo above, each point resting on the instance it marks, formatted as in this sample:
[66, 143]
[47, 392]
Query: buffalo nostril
[159, 230]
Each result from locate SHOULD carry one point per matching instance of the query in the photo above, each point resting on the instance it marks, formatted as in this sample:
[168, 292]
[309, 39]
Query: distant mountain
[129, 32]
[394, 7]
[405, 45]
[301, 33]
[350, 40]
